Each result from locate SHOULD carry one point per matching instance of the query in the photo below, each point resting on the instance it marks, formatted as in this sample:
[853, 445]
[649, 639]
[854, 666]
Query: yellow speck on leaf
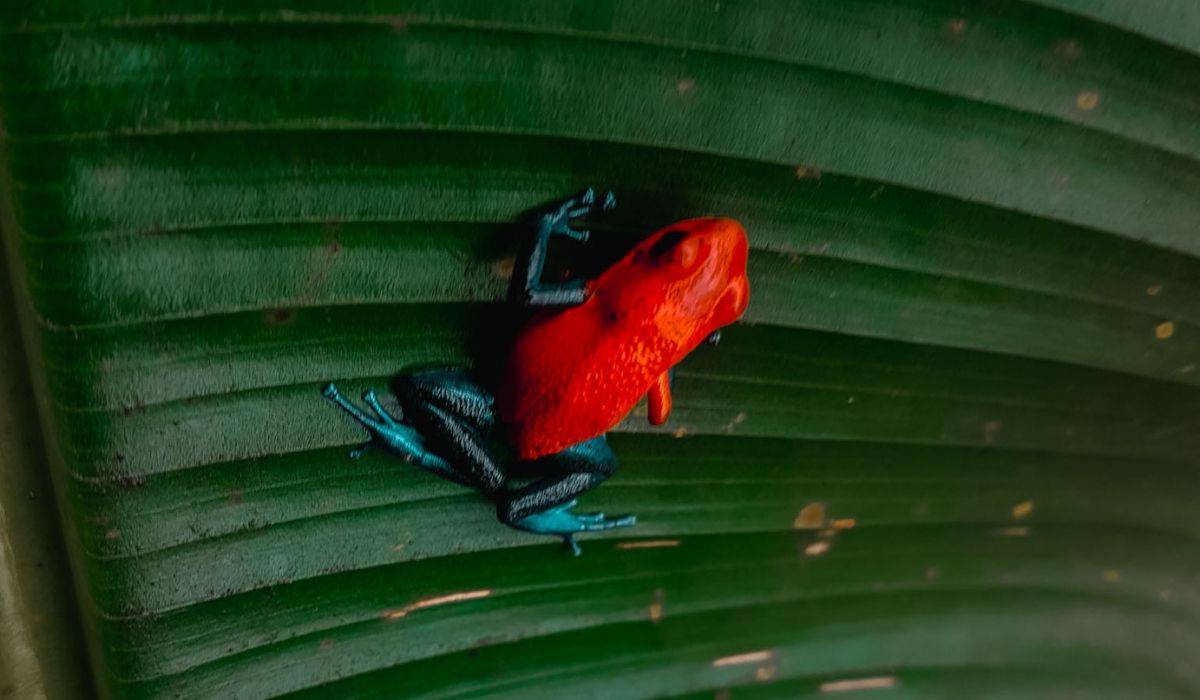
[852, 684]
[1164, 330]
[810, 517]
[647, 544]
[843, 523]
[750, 657]
[1011, 531]
[392, 615]
[1087, 100]
[817, 548]
[1022, 510]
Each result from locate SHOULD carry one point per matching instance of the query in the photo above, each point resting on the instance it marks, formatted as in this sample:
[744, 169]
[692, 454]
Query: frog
[535, 440]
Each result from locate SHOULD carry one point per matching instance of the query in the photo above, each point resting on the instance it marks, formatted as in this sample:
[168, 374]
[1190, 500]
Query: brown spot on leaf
[648, 544]
[807, 172]
[816, 549]
[656, 608]
[1164, 330]
[1067, 50]
[1112, 576]
[991, 429]
[1154, 290]
[810, 517]
[326, 644]
[1087, 100]
[112, 534]
[278, 317]
[236, 497]
[1011, 531]
[1022, 510]
[503, 268]
[685, 85]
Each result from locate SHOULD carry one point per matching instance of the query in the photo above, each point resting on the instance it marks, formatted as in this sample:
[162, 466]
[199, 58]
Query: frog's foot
[561, 522]
[558, 222]
[385, 430]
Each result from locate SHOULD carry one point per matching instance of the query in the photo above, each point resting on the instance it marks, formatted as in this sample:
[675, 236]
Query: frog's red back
[575, 373]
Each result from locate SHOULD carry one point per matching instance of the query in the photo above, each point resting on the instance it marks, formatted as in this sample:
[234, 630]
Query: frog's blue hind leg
[457, 416]
[388, 433]
[546, 506]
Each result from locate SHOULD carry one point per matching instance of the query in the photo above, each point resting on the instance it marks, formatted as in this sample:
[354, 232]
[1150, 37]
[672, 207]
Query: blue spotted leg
[388, 433]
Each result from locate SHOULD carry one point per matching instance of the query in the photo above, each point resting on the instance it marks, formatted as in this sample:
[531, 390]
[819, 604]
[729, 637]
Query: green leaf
[952, 448]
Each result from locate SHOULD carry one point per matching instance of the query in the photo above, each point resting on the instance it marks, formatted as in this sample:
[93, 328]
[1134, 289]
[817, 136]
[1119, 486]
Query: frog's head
[690, 276]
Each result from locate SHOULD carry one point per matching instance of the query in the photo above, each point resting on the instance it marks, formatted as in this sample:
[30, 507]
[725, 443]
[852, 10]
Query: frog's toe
[560, 521]
[587, 203]
[559, 222]
[609, 523]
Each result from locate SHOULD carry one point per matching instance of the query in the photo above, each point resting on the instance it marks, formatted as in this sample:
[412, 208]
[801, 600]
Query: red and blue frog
[588, 355]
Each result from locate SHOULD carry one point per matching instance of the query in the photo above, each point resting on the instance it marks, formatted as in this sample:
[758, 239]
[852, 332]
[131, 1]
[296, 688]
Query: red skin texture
[575, 373]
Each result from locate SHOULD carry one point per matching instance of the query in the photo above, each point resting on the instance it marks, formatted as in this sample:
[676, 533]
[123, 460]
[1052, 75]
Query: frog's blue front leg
[527, 281]
[388, 433]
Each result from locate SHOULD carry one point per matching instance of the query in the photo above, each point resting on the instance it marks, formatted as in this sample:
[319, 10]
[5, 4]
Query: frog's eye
[665, 243]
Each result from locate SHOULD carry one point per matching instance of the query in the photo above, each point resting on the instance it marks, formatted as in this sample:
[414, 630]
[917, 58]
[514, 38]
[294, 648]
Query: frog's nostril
[737, 296]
